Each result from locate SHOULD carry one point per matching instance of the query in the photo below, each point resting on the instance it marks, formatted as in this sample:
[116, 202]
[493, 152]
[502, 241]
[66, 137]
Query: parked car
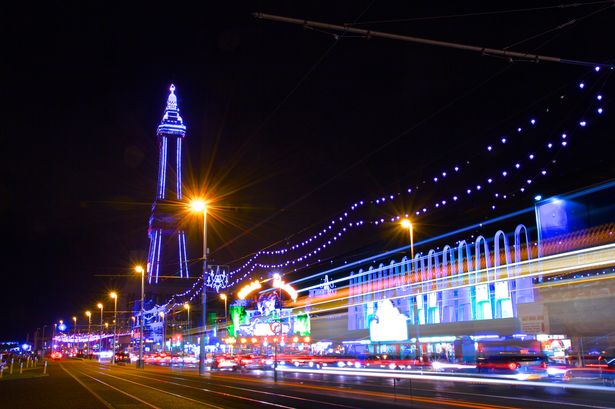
[519, 366]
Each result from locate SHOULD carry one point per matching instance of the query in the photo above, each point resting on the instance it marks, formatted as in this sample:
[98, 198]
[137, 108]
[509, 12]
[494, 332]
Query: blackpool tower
[167, 241]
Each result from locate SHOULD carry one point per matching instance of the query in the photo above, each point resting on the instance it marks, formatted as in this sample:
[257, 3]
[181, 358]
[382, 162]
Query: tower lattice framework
[167, 241]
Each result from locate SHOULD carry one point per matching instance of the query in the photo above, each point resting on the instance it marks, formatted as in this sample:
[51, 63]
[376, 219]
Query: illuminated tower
[167, 242]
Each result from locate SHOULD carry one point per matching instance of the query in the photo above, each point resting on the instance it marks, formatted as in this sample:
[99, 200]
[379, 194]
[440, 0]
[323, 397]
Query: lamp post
[140, 270]
[164, 330]
[114, 296]
[100, 306]
[187, 308]
[225, 298]
[407, 224]
[89, 315]
[200, 206]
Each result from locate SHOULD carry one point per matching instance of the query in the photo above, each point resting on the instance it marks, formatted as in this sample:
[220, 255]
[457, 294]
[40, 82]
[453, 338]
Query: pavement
[90, 385]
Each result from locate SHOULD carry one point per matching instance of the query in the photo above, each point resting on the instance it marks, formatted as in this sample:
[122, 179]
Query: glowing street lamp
[200, 206]
[113, 295]
[100, 306]
[75, 326]
[89, 315]
[407, 224]
[187, 308]
[164, 329]
[140, 270]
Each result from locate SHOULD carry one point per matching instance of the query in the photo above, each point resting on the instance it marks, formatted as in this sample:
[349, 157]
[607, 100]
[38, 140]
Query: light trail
[452, 378]
[594, 257]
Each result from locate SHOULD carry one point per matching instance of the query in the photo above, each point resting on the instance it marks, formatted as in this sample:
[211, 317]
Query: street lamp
[113, 295]
[224, 297]
[407, 224]
[187, 308]
[164, 330]
[140, 270]
[89, 315]
[100, 306]
[199, 206]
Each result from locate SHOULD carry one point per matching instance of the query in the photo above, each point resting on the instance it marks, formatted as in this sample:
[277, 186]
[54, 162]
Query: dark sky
[287, 127]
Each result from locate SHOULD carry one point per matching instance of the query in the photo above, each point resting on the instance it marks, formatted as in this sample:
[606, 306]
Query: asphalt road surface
[88, 385]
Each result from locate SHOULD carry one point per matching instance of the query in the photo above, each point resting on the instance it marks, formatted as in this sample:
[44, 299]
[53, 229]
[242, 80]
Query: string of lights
[328, 236]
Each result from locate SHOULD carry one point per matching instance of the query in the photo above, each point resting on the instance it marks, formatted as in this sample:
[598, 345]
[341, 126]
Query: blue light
[489, 148]
[597, 68]
[599, 110]
[544, 172]
[581, 85]
[549, 145]
[503, 140]
[456, 168]
[443, 174]
[489, 180]
[519, 129]
[599, 97]
[564, 143]
[537, 197]
[435, 179]
[517, 165]
[529, 181]
[583, 123]
[504, 173]
[468, 191]
[564, 136]
[455, 198]
[533, 121]
[62, 327]
[531, 156]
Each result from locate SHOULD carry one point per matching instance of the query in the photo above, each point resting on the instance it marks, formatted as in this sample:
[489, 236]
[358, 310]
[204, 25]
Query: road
[85, 384]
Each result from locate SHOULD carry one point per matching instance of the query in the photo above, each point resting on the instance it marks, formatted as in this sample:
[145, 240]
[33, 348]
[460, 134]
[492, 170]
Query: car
[518, 366]
[122, 357]
[225, 362]
[592, 374]
[55, 355]
[252, 361]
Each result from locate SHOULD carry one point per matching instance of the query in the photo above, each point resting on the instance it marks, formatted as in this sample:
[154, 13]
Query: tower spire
[172, 123]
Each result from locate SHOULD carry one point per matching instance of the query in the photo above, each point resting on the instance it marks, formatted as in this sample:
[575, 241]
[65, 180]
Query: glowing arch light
[279, 283]
[246, 290]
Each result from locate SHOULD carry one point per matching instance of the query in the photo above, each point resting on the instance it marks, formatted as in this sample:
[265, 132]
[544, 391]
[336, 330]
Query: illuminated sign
[388, 323]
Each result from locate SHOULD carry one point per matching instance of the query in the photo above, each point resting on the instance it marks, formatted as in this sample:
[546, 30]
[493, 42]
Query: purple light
[443, 174]
[519, 129]
[489, 180]
[493, 207]
[517, 165]
[437, 204]
[531, 156]
[581, 85]
[489, 148]
[456, 168]
[435, 179]
[503, 140]
[564, 136]
[529, 181]
[549, 145]
[478, 187]
[599, 97]
[533, 121]
[504, 173]
[455, 198]
[544, 172]
[564, 143]
[424, 210]
[468, 191]
[522, 189]
[583, 123]
[597, 68]
[599, 110]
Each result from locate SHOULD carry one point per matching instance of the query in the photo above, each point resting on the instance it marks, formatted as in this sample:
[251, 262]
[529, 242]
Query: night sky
[287, 127]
